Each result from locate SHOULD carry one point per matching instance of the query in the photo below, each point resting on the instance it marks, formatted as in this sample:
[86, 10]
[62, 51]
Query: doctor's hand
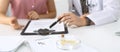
[72, 19]
[14, 23]
[33, 15]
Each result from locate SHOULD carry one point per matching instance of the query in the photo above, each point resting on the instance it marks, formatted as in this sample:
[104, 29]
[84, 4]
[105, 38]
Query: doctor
[97, 12]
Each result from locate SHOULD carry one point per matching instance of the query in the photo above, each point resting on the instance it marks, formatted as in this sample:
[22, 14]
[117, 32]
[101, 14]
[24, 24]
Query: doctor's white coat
[106, 12]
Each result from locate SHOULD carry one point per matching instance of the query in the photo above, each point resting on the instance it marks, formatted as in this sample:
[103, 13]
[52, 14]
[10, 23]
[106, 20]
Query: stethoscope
[91, 4]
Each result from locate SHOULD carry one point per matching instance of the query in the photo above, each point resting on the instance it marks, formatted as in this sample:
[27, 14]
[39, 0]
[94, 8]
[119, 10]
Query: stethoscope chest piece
[44, 31]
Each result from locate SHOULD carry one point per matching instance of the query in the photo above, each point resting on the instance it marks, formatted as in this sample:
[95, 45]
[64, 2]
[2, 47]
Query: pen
[54, 23]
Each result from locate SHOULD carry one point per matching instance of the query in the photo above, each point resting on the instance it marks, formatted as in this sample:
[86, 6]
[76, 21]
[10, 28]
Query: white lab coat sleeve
[110, 13]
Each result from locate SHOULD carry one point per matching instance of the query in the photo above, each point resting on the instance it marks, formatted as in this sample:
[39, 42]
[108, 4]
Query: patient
[26, 9]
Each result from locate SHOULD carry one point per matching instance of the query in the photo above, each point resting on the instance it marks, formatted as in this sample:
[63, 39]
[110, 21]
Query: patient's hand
[33, 15]
[14, 23]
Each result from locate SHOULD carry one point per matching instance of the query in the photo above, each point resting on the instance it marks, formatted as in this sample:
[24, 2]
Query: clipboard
[65, 29]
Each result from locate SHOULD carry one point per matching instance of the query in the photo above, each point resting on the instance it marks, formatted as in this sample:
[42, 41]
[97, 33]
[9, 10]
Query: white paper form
[49, 45]
[42, 24]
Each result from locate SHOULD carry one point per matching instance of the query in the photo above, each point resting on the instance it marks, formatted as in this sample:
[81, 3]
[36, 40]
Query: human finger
[69, 20]
[18, 27]
[65, 18]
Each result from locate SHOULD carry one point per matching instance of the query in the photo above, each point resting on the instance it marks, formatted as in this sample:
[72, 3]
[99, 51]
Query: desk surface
[102, 38]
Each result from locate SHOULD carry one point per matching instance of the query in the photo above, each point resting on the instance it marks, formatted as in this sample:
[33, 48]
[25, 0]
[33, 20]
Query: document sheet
[44, 24]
